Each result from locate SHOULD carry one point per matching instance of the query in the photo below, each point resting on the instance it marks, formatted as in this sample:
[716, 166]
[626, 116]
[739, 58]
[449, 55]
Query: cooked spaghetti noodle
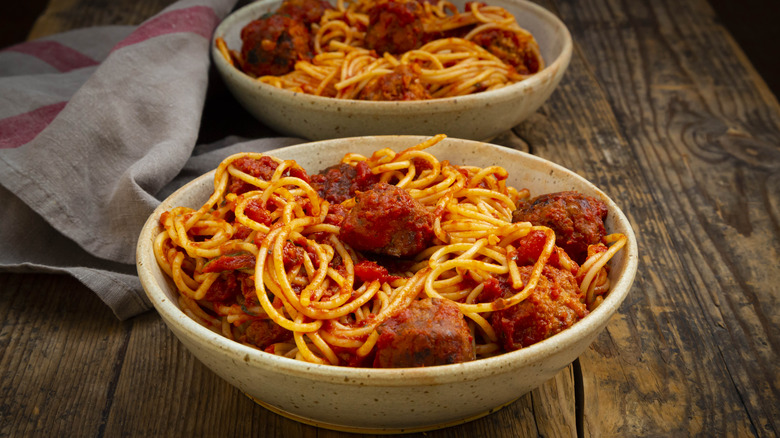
[264, 260]
[388, 50]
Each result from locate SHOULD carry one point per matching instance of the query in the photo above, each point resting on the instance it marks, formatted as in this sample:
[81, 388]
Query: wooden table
[660, 108]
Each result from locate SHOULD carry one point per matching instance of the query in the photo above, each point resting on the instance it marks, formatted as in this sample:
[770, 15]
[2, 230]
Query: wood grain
[659, 92]
[64, 15]
[53, 331]
[660, 108]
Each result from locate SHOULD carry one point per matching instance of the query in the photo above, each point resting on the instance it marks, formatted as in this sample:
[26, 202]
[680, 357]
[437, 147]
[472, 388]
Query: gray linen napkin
[95, 126]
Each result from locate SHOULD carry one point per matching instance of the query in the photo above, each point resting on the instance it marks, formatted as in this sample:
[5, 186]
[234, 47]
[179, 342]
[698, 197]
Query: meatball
[263, 333]
[555, 304]
[272, 44]
[578, 220]
[511, 47]
[429, 332]
[387, 220]
[338, 183]
[402, 84]
[307, 11]
[395, 27]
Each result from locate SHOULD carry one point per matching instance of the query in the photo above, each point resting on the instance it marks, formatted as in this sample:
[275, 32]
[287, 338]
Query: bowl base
[371, 430]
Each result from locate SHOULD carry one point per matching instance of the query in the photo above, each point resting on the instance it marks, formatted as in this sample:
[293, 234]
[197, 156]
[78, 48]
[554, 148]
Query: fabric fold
[85, 155]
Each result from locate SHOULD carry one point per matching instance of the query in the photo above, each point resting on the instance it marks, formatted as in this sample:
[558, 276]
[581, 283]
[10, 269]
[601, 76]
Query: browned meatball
[338, 183]
[402, 84]
[272, 44]
[578, 220]
[395, 27]
[431, 331]
[555, 304]
[510, 47]
[387, 220]
[308, 11]
[263, 333]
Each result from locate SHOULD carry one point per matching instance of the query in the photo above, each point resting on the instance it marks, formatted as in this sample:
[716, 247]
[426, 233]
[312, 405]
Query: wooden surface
[660, 108]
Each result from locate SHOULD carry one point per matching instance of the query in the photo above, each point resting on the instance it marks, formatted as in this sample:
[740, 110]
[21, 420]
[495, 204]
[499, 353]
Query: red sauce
[338, 183]
[368, 271]
[256, 211]
[262, 168]
[224, 288]
[292, 255]
[241, 232]
[230, 262]
[528, 249]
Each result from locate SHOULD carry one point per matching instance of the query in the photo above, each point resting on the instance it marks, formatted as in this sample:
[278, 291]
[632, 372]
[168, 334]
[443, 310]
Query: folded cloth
[96, 127]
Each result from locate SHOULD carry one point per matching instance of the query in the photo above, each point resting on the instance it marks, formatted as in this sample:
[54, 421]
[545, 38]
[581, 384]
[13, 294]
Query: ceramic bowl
[480, 116]
[391, 400]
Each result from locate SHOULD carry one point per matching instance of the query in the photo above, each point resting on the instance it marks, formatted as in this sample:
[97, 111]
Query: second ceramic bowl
[479, 116]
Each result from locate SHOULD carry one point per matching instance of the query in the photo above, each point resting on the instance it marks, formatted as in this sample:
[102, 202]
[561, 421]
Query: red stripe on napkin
[61, 57]
[197, 19]
[18, 130]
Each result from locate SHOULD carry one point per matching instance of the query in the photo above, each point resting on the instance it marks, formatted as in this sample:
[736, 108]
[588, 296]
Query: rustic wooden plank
[57, 367]
[64, 15]
[660, 108]
[689, 138]
[538, 413]
[163, 387]
[554, 406]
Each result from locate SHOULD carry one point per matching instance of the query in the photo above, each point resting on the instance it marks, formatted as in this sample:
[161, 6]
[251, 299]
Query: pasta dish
[385, 49]
[395, 259]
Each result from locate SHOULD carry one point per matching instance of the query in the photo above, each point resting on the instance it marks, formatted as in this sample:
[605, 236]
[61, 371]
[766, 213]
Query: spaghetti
[386, 49]
[267, 260]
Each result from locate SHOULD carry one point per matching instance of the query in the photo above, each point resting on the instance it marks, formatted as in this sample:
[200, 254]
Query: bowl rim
[396, 377]
[560, 63]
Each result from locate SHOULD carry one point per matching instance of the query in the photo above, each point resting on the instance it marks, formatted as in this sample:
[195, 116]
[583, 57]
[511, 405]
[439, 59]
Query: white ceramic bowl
[480, 116]
[391, 400]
